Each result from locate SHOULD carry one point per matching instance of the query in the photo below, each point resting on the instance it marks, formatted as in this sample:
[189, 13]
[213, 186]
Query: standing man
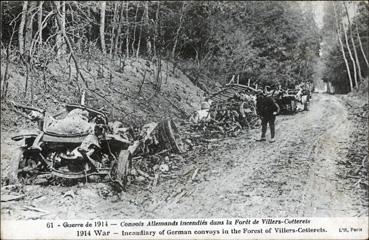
[267, 109]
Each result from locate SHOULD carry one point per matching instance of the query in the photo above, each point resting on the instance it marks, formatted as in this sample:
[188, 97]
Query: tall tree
[127, 29]
[60, 49]
[102, 26]
[29, 28]
[146, 23]
[157, 48]
[361, 47]
[56, 8]
[338, 29]
[349, 50]
[113, 28]
[119, 28]
[40, 23]
[139, 37]
[157, 27]
[182, 13]
[135, 28]
[21, 27]
[361, 26]
[353, 46]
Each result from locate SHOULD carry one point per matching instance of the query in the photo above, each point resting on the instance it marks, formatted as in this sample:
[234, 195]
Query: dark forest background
[267, 42]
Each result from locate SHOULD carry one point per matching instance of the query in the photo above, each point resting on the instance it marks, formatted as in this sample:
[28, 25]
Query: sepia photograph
[190, 110]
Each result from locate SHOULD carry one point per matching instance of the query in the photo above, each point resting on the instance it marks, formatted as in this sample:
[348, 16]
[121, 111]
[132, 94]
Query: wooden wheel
[170, 130]
[120, 169]
[18, 162]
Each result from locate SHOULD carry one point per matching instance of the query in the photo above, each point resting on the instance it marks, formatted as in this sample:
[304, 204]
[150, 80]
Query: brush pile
[226, 113]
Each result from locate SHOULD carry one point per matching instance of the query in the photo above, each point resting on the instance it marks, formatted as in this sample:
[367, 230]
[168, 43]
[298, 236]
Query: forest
[346, 46]
[124, 110]
[267, 43]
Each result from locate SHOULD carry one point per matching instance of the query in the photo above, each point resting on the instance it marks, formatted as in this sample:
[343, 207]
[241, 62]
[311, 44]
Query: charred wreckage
[80, 142]
[233, 108]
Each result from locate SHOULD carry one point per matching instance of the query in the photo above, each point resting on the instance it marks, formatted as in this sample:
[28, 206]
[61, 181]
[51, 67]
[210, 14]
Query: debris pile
[152, 168]
[156, 151]
[226, 117]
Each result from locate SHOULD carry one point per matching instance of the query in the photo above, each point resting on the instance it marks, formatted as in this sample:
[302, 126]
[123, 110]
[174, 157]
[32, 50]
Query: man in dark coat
[267, 109]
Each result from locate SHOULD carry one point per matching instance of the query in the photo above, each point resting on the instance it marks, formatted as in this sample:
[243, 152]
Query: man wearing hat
[267, 109]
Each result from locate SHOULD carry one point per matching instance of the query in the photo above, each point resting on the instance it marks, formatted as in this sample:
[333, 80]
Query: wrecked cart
[80, 142]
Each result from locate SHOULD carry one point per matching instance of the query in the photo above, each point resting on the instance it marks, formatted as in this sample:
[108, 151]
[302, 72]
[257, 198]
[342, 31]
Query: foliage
[335, 70]
[270, 43]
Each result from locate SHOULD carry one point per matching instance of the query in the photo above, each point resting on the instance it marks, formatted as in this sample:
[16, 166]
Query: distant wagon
[287, 102]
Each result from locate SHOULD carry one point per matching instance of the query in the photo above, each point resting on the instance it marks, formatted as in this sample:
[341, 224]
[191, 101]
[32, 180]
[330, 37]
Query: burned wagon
[287, 101]
[80, 142]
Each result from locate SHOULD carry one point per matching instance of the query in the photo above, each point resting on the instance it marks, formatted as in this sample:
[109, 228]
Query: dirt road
[298, 175]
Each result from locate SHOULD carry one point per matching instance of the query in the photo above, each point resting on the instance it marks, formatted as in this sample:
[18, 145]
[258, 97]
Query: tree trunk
[59, 35]
[146, 23]
[361, 47]
[134, 29]
[139, 40]
[64, 34]
[178, 31]
[350, 54]
[127, 30]
[156, 28]
[26, 83]
[40, 23]
[356, 57]
[29, 28]
[119, 30]
[342, 49]
[158, 77]
[28, 44]
[356, 60]
[43, 24]
[21, 28]
[4, 81]
[102, 26]
[114, 23]
[157, 48]
[89, 28]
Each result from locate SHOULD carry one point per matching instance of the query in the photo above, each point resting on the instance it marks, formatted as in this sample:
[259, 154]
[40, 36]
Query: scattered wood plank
[179, 196]
[7, 198]
[156, 179]
[195, 174]
[142, 173]
[350, 176]
[36, 209]
[188, 172]
[210, 140]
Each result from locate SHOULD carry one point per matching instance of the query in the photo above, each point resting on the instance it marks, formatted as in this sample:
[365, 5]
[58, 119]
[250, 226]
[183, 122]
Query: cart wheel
[17, 162]
[306, 107]
[172, 134]
[293, 106]
[120, 169]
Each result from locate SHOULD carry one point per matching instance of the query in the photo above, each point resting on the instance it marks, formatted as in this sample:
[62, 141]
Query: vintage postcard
[184, 119]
